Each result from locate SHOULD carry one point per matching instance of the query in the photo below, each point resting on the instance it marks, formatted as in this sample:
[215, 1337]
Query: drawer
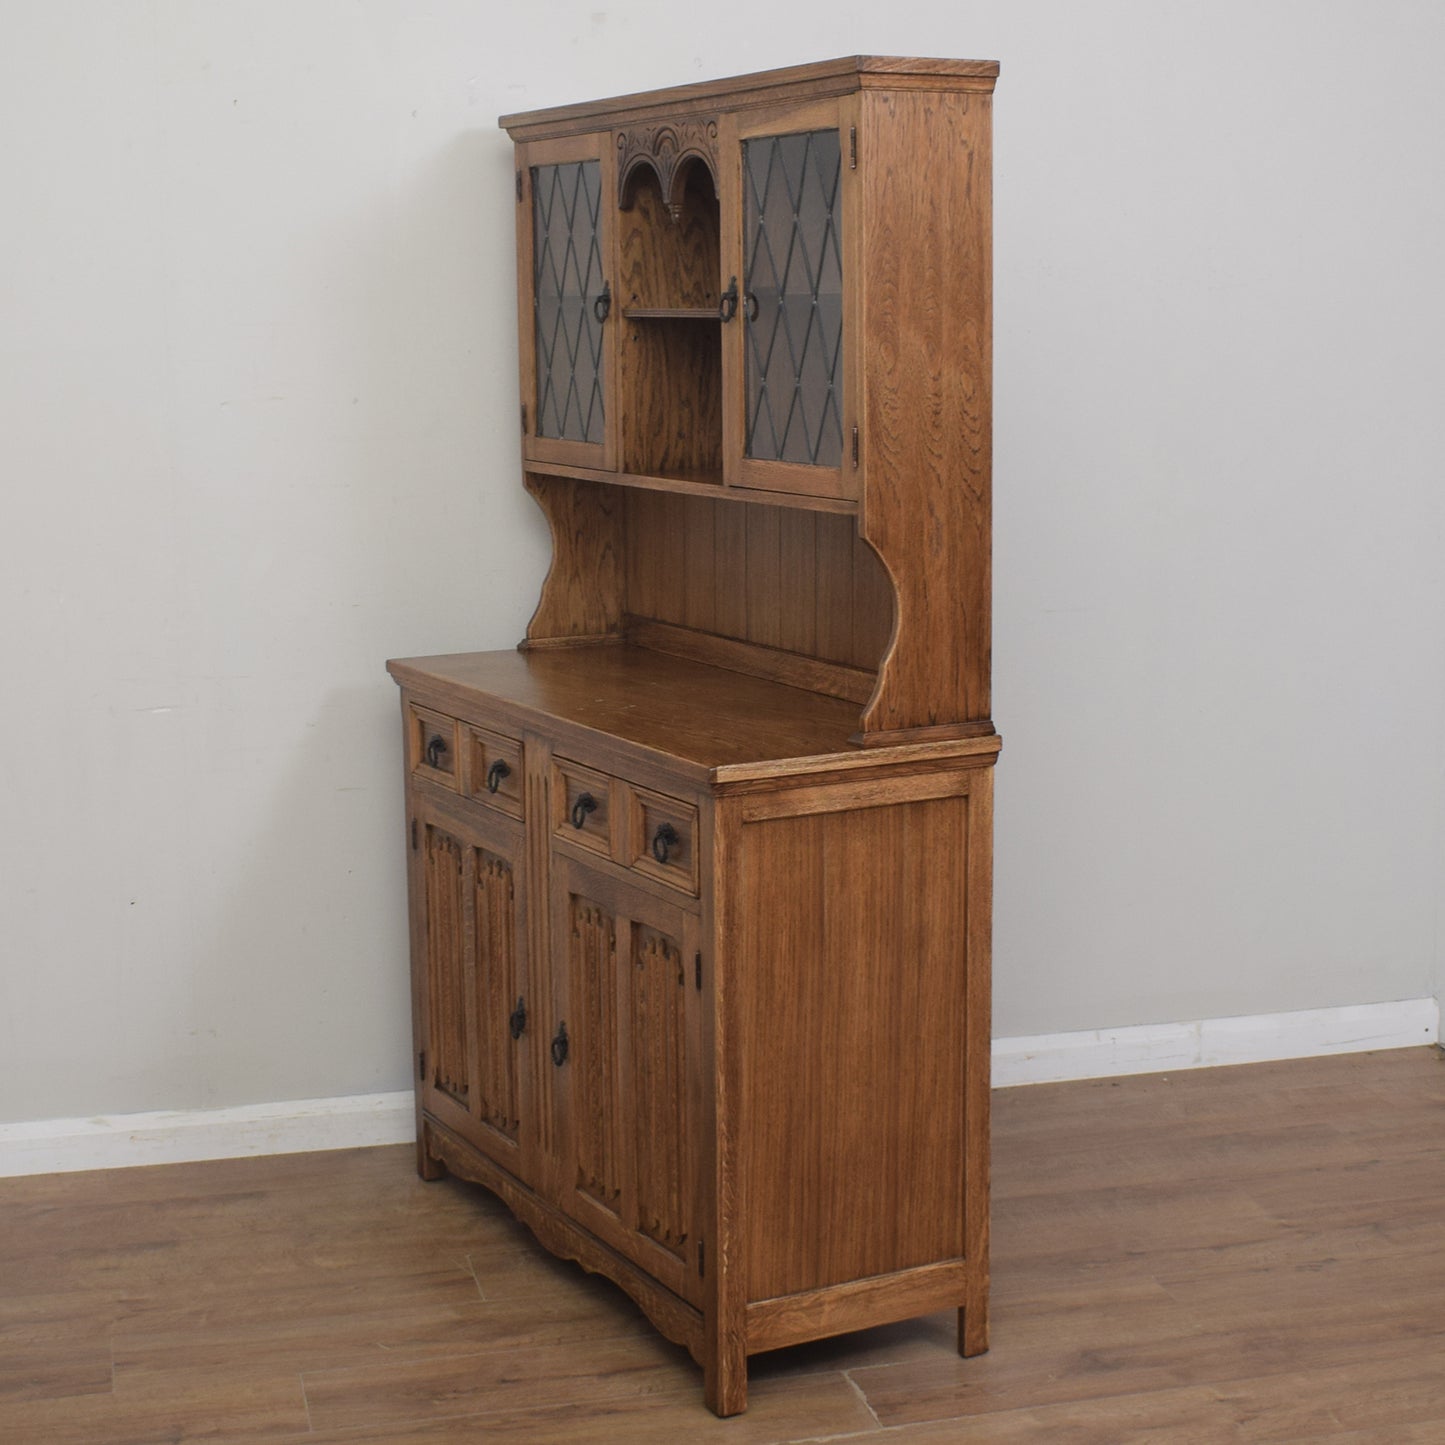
[662, 839]
[494, 769]
[431, 746]
[582, 806]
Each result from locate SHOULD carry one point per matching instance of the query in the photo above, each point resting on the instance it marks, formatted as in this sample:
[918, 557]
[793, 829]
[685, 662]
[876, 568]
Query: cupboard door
[790, 363]
[472, 983]
[628, 1071]
[566, 205]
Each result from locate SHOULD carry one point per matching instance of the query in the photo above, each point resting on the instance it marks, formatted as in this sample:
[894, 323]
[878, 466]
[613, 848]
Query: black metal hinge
[421, 1066]
[855, 448]
[519, 185]
[524, 418]
[414, 843]
[697, 970]
[852, 150]
[701, 1269]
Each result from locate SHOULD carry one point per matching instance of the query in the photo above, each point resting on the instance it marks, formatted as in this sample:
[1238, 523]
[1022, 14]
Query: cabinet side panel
[850, 979]
[927, 429]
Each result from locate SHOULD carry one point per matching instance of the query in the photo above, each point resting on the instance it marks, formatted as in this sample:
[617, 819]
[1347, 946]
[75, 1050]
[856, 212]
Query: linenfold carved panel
[659, 1089]
[446, 964]
[666, 148]
[496, 934]
[592, 980]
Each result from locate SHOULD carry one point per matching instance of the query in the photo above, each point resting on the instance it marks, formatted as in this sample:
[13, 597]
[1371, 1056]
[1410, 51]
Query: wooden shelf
[695, 487]
[671, 313]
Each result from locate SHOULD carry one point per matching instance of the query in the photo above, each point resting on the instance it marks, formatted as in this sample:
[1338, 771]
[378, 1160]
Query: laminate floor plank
[381, 1334]
[802, 1407]
[1401, 1393]
[1252, 1254]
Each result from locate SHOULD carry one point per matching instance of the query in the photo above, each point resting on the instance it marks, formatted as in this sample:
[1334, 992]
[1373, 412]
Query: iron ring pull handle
[517, 1023]
[495, 774]
[602, 304]
[663, 841]
[727, 308]
[585, 804]
[750, 305]
[435, 747]
[559, 1045]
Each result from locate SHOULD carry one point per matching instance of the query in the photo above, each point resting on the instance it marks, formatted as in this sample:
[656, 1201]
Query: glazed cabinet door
[566, 224]
[625, 1054]
[469, 977]
[790, 364]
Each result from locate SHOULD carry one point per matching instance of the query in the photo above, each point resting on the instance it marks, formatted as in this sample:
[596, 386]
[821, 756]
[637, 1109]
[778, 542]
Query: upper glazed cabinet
[689, 315]
[743, 305]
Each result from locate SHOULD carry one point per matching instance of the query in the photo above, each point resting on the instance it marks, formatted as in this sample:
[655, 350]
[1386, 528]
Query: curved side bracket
[933, 681]
[581, 597]
[665, 149]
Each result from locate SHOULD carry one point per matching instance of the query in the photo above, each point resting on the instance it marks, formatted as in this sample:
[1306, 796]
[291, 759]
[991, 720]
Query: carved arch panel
[666, 149]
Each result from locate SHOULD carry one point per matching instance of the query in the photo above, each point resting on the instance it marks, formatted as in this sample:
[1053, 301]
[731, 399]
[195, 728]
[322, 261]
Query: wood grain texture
[1244, 1254]
[670, 387]
[498, 984]
[794, 1318]
[664, 706]
[540, 1145]
[492, 771]
[632, 1155]
[682, 487]
[973, 1317]
[787, 86]
[793, 669]
[450, 1053]
[582, 595]
[851, 975]
[796, 581]
[666, 260]
[673, 422]
[725, 1357]
[927, 431]
[472, 930]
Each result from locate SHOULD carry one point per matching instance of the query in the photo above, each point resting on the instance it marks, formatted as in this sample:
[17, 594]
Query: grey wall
[257, 425]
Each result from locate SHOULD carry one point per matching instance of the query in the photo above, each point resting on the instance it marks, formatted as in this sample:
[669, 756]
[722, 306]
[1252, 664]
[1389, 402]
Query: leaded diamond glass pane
[792, 199]
[566, 281]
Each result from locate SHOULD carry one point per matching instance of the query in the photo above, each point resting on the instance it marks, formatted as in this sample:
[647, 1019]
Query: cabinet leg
[725, 1382]
[973, 1329]
[426, 1166]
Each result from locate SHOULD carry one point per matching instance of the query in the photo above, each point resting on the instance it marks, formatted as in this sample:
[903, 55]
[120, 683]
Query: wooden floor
[1253, 1254]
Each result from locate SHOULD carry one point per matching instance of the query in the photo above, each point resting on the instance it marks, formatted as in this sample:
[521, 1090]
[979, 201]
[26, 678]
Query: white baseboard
[52, 1146]
[1205, 1043]
[297, 1126]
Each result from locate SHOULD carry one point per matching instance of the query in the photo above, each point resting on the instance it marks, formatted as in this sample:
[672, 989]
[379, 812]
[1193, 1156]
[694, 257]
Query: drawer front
[662, 839]
[582, 806]
[432, 746]
[494, 769]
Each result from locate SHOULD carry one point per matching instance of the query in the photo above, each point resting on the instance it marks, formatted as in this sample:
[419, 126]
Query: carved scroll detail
[666, 148]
